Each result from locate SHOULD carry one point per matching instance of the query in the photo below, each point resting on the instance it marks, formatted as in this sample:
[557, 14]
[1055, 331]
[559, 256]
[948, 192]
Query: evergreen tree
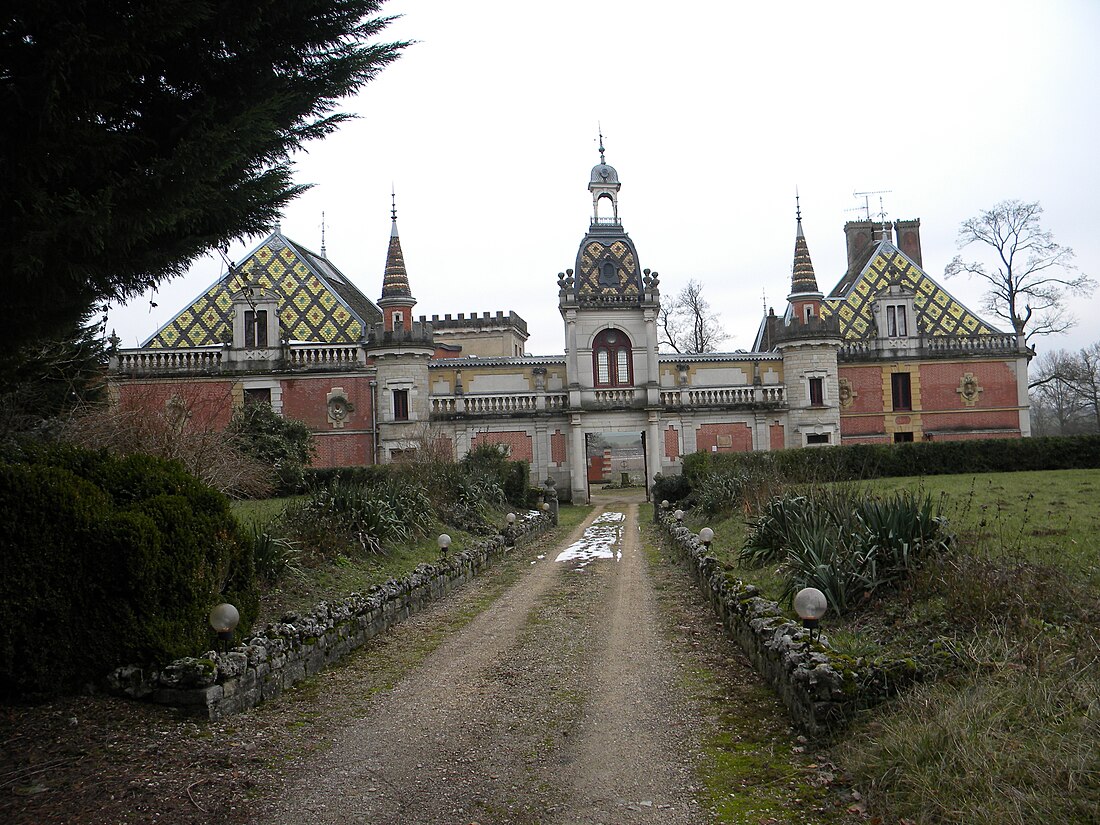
[139, 134]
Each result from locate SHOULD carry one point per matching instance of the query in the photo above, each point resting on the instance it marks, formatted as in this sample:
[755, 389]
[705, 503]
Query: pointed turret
[805, 298]
[397, 300]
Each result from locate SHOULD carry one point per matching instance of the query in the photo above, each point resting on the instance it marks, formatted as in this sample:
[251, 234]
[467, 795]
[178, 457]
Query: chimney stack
[859, 235]
[908, 235]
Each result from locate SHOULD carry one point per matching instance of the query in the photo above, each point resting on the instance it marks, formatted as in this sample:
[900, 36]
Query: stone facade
[887, 356]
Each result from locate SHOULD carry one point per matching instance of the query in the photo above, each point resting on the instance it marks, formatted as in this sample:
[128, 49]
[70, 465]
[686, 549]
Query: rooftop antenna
[867, 201]
[324, 254]
[882, 218]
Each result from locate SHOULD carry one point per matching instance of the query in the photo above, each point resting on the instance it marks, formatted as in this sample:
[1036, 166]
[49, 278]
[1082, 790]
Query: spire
[803, 279]
[395, 284]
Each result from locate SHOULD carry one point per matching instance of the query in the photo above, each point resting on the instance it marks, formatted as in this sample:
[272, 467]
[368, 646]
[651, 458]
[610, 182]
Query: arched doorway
[616, 458]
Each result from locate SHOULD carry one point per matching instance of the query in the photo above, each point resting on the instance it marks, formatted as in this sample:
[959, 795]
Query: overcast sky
[712, 113]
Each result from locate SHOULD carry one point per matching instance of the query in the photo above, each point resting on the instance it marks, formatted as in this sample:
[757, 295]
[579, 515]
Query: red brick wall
[940, 380]
[518, 442]
[867, 388]
[209, 403]
[862, 425]
[707, 437]
[777, 436]
[306, 400]
[978, 420]
[863, 440]
[350, 450]
[557, 447]
[672, 443]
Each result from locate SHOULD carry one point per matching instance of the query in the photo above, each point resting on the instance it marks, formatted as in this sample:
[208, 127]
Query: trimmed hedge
[106, 561]
[863, 461]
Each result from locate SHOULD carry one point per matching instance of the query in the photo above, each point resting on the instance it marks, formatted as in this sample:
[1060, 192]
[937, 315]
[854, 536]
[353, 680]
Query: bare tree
[1088, 381]
[687, 324]
[1055, 399]
[1031, 275]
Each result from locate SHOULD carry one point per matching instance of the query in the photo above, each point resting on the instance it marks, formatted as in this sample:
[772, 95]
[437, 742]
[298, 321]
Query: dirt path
[557, 704]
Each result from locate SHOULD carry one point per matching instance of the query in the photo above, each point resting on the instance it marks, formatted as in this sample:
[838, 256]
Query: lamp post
[444, 542]
[810, 604]
[224, 619]
[510, 530]
[706, 535]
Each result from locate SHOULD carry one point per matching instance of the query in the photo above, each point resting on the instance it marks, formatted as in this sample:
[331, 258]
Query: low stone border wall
[263, 665]
[821, 688]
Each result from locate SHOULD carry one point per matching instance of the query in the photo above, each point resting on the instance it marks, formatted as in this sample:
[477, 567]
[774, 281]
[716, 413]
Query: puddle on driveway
[601, 540]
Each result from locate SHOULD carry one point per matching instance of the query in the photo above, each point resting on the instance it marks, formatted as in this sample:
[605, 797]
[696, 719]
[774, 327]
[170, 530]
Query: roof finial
[324, 254]
[393, 212]
[599, 128]
[797, 207]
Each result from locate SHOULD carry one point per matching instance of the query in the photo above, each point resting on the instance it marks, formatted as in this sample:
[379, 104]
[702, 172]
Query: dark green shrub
[281, 443]
[106, 561]
[492, 460]
[674, 489]
[316, 477]
[864, 461]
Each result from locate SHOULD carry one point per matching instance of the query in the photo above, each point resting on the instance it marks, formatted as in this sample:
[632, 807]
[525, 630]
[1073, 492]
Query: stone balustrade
[315, 356]
[744, 395]
[498, 403]
[186, 360]
[935, 346]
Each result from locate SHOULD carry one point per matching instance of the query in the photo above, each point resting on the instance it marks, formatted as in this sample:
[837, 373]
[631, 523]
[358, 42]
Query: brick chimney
[908, 239]
[860, 235]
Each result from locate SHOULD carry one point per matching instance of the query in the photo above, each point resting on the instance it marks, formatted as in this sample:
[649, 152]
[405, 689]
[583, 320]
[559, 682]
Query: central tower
[609, 305]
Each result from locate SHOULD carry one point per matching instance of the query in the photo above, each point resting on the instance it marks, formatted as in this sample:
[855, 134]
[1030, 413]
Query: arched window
[611, 359]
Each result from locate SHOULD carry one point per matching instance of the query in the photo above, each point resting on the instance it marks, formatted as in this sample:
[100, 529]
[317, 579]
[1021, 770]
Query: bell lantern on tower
[607, 263]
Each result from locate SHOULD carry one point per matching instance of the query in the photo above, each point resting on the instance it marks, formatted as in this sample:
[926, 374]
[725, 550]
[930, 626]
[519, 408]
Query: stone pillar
[540, 460]
[578, 472]
[653, 448]
[653, 385]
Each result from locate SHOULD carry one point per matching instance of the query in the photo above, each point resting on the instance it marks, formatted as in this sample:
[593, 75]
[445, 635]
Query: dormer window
[255, 328]
[611, 359]
[608, 274]
[896, 326]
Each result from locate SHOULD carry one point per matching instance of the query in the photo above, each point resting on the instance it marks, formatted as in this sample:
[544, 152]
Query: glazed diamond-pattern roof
[938, 312]
[594, 283]
[310, 308]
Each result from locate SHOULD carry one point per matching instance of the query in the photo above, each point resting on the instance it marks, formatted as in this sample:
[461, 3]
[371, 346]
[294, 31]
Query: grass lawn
[1003, 730]
[1049, 517]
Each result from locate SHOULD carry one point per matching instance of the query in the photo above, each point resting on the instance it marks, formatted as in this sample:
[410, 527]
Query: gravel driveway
[557, 704]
